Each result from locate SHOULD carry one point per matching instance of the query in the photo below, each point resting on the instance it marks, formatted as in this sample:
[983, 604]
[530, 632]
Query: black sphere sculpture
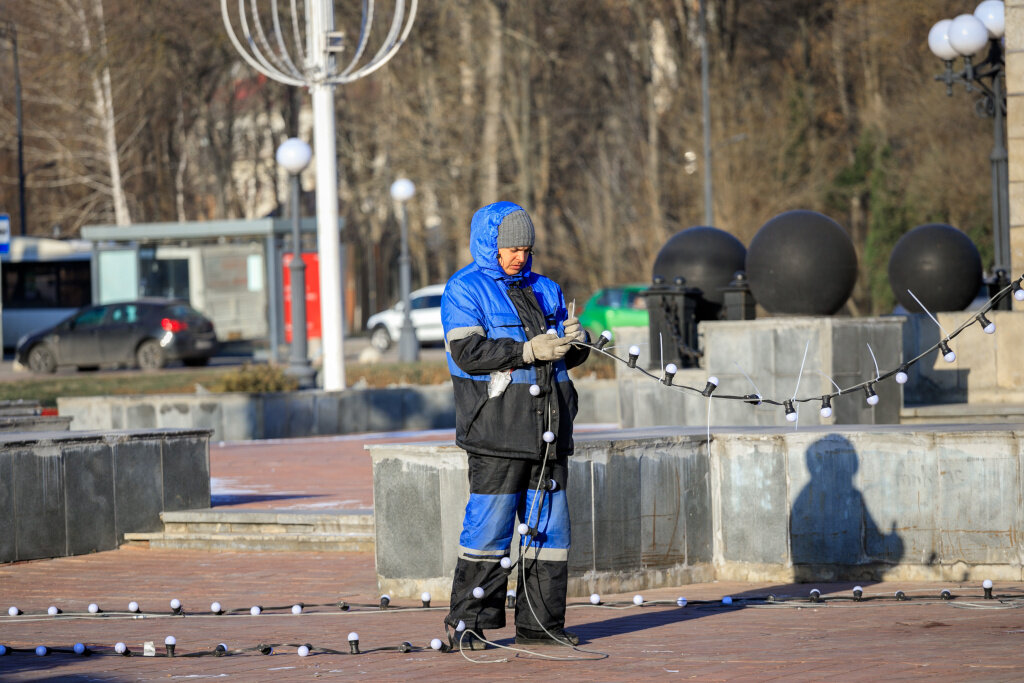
[801, 263]
[707, 258]
[937, 262]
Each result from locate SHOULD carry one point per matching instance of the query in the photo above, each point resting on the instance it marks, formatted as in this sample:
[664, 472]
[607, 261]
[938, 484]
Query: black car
[146, 333]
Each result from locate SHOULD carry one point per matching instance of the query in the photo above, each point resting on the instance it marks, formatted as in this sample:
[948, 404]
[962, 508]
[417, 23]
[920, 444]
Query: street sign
[5, 233]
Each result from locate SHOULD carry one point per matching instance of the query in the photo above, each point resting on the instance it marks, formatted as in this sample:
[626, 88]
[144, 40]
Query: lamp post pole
[402, 190]
[966, 36]
[317, 56]
[705, 108]
[11, 32]
[294, 155]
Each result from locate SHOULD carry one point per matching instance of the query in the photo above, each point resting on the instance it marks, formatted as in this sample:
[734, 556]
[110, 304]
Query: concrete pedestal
[764, 357]
[68, 493]
[661, 507]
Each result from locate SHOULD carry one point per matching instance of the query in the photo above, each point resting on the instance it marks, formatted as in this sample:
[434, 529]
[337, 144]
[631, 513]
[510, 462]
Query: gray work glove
[572, 328]
[546, 347]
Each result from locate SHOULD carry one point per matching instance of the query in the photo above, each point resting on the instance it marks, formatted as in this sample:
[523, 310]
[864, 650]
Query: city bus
[44, 281]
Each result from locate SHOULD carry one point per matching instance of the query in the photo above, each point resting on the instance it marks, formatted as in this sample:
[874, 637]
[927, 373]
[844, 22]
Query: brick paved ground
[332, 473]
[967, 639]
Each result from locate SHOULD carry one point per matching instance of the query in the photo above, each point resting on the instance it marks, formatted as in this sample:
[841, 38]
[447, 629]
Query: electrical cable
[1013, 287]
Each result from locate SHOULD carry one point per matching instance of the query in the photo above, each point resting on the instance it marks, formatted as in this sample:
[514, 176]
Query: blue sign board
[5, 233]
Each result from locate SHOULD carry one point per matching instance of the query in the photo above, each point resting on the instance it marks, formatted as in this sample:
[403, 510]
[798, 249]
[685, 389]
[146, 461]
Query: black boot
[556, 637]
[467, 640]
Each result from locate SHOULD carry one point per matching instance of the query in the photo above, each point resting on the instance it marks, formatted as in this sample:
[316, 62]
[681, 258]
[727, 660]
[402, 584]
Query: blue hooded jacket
[484, 335]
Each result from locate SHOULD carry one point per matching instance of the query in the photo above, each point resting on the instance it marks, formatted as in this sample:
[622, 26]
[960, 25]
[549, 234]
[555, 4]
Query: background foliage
[582, 110]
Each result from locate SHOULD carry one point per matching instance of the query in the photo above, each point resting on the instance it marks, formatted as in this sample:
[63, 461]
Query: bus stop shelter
[231, 270]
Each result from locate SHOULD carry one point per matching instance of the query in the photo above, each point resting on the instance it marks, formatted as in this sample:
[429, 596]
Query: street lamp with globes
[966, 36]
[294, 155]
[402, 190]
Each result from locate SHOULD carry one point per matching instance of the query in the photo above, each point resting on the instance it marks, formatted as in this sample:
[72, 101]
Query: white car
[425, 304]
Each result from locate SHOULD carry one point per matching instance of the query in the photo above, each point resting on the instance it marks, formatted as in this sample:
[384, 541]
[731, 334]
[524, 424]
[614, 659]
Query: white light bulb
[511, 592]
[1018, 294]
[93, 608]
[992, 14]
[858, 588]
[255, 610]
[303, 651]
[595, 599]
[901, 377]
[296, 609]
[13, 611]
[553, 331]
[987, 583]
[133, 606]
[727, 600]
[872, 400]
[52, 610]
[967, 35]
[478, 592]
[523, 529]
[170, 640]
[990, 328]
[549, 437]
[634, 350]
[215, 607]
[949, 357]
[425, 597]
[681, 601]
[713, 380]
[638, 599]
[791, 417]
[353, 636]
[534, 390]
[175, 603]
[938, 41]
[671, 369]
[294, 155]
[826, 411]
[41, 651]
[461, 626]
[120, 648]
[506, 562]
[435, 644]
[402, 190]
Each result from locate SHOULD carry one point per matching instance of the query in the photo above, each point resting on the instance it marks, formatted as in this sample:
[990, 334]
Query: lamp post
[314, 54]
[402, 190]
[11, 33]
[965, 36]
[294, 156]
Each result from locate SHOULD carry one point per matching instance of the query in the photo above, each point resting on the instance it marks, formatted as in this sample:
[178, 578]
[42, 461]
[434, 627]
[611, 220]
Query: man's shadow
[832, 535]
[833, 539]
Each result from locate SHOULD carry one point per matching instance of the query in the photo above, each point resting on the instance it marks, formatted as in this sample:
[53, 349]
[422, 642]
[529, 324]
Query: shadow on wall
[832, 533]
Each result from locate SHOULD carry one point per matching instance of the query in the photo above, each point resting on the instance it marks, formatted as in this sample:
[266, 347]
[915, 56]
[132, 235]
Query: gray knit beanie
[516, 230]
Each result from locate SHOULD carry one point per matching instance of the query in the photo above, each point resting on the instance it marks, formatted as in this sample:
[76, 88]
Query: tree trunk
[104, 104]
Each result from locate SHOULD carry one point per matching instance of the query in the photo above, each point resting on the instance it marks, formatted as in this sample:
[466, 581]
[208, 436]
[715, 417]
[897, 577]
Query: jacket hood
[483, 239]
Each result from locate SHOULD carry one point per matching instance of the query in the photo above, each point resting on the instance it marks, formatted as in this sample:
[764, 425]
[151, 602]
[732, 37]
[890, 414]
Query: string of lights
[900, 373]
[970, 599]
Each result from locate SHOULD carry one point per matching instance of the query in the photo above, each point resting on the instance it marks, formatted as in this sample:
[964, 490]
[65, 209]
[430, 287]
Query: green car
[612, 307]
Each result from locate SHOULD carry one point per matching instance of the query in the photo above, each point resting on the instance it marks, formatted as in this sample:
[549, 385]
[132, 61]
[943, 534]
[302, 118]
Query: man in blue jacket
[509, 343]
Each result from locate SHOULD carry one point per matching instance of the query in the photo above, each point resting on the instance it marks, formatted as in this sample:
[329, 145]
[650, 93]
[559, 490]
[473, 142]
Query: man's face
[513, 259]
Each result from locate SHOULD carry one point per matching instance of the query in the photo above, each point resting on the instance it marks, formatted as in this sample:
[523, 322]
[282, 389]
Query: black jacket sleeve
[478, 355]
